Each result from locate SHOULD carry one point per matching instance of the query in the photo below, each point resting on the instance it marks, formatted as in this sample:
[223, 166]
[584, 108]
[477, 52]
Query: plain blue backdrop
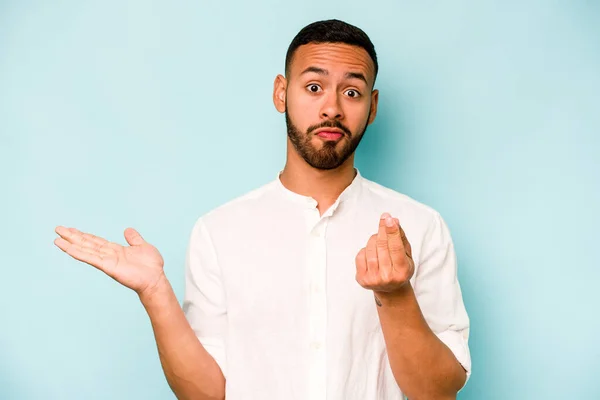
[149, 114]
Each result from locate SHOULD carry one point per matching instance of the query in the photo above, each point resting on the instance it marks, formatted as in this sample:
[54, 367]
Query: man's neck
[325, 186]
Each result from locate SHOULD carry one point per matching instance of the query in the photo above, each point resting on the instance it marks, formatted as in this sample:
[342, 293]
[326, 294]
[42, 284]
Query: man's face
[329, 102]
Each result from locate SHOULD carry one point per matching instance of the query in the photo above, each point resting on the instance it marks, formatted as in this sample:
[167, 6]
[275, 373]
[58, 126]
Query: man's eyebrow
[356, 75]
[349, 75]
[316, 70]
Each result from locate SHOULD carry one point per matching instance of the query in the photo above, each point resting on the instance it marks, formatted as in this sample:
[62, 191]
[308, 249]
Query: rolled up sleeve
[438, 291]
[204, 301]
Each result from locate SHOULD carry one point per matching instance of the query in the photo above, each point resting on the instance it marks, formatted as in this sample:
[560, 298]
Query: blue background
[149, 114]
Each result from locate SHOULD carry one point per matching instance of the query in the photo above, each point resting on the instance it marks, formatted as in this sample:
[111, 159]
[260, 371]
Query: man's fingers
[68, 234]
[405, 242]
[394, 239]
[87, 255]
[371, 255]
[84, 240]
[361, 262]
[383, 253]
[382, 232]
[133, 237]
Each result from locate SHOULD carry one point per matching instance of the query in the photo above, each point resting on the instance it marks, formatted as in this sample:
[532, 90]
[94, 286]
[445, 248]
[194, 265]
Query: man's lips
[330, 134]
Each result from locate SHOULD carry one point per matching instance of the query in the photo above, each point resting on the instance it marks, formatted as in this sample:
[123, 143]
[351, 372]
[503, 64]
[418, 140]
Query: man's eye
[314, 88]
[352, 93]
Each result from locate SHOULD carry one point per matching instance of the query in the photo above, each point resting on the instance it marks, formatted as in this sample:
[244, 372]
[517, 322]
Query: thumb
[133, 237]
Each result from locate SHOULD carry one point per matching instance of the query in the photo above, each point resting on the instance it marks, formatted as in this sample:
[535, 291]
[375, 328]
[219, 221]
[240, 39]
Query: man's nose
[332, 108]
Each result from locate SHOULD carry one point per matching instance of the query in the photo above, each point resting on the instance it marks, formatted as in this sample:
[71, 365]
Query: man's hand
[385, 265]
[138, 266]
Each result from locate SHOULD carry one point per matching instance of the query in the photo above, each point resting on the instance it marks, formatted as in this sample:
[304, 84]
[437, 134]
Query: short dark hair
[331, 31]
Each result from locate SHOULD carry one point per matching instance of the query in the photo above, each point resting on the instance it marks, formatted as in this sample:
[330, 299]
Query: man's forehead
[339, 56]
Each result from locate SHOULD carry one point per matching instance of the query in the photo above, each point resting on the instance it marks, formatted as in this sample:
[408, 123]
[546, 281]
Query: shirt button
[316, 345]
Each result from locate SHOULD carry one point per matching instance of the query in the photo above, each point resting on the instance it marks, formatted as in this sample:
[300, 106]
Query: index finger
[394, 237]
[83, 239]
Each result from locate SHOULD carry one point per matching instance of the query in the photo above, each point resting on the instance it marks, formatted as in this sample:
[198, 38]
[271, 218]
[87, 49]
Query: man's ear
[279, 93]
[374, 103]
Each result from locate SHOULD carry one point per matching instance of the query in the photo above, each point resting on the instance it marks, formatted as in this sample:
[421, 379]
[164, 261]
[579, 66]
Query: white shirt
[271, 292]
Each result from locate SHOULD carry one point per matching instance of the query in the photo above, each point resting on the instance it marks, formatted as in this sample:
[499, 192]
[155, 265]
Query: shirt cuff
[458, 345]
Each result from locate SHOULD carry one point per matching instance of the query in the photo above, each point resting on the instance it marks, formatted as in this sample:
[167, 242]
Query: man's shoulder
[395, 199]
[241, 206]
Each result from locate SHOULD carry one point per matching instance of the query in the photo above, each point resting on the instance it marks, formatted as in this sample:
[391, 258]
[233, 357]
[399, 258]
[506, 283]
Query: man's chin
[321, 143]
[324, 161]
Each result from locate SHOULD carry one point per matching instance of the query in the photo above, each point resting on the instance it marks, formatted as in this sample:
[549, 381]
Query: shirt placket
[317, 268]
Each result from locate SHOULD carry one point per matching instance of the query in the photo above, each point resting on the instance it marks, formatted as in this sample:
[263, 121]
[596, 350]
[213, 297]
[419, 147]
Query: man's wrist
[157, 293]
[396, 297]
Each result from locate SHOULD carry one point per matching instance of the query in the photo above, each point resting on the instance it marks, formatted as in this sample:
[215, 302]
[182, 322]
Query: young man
[320, 284]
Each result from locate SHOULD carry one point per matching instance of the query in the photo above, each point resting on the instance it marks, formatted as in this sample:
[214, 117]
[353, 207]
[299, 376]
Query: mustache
[329, 124]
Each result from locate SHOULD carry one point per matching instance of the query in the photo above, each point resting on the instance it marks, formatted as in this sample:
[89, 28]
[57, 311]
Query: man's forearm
[191, 371]
[424, 367]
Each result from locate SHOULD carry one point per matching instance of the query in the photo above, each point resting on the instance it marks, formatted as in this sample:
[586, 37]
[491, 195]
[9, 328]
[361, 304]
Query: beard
[329, 156]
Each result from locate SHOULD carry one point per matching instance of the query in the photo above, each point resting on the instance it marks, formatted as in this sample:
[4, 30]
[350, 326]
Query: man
[318, 285]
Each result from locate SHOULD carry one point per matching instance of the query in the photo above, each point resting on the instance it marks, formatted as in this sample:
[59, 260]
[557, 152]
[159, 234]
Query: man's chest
[302, 283]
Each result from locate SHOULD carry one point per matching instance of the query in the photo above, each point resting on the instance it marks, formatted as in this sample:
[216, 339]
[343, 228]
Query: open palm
[138, 266]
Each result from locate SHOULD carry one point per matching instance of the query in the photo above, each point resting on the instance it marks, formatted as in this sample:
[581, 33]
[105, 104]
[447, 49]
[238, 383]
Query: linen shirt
[271, 292]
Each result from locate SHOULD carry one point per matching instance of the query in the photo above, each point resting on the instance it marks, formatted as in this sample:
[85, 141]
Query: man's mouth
[330, 134]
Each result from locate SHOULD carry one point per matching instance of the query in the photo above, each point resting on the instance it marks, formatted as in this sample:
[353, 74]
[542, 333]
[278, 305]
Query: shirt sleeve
[204, 301]
[438, 292]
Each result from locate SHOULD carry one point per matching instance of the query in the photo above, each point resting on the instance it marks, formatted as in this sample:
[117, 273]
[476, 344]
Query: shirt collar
[349, 192]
